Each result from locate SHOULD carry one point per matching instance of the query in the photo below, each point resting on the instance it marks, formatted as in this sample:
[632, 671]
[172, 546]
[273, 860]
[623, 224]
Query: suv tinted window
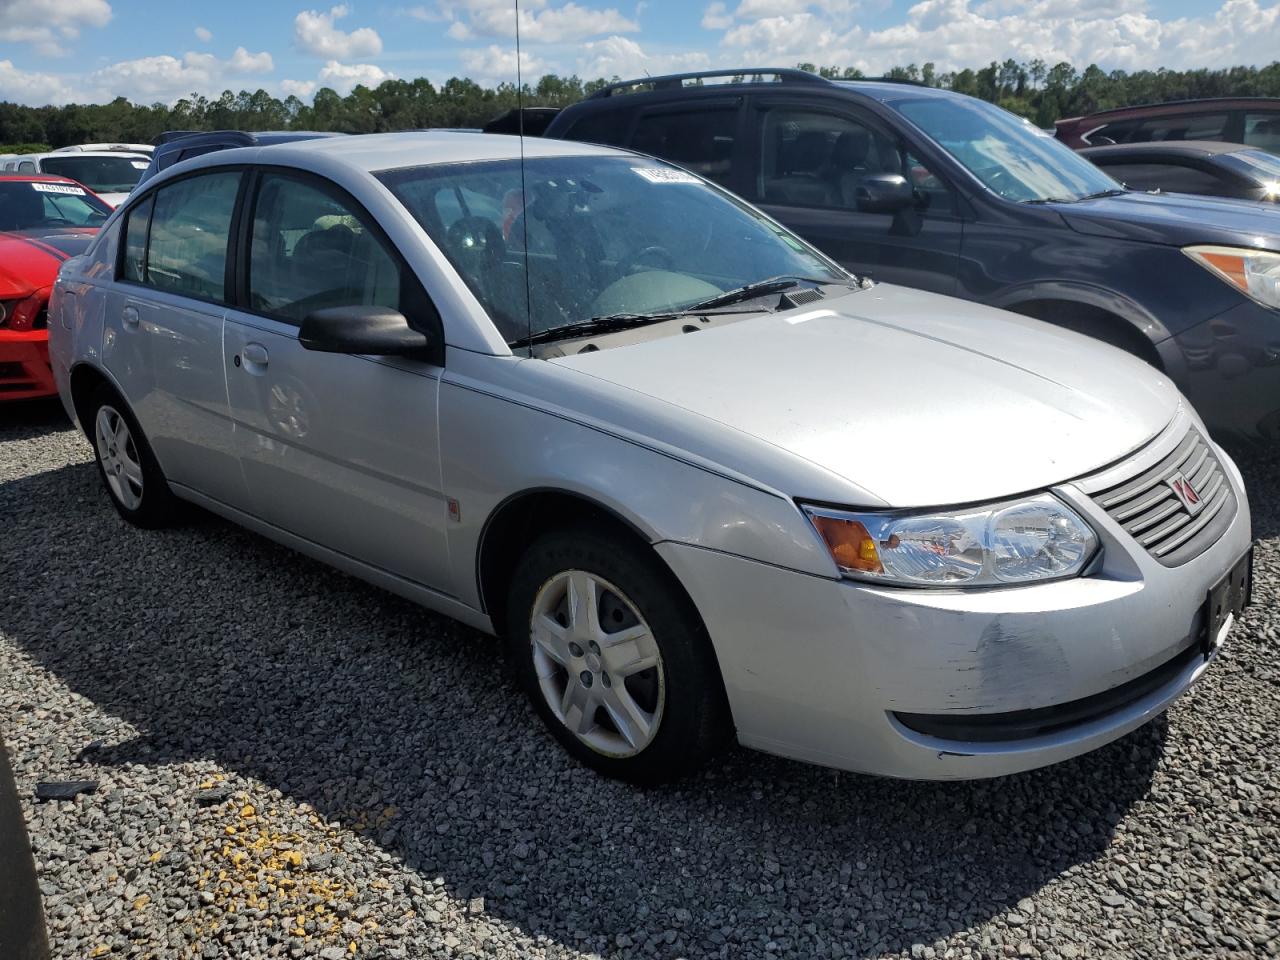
[698, 140]
[1262, 130]
[308, 251]
[190, 227]
[607, 127]
[810, 158]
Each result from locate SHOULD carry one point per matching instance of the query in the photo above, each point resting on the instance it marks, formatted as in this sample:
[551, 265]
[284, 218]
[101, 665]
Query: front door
[338, 449]
[810, 161]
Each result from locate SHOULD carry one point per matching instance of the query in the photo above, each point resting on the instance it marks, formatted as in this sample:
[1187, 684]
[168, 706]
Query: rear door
[809, 158]
[163, 328]
[341, 450]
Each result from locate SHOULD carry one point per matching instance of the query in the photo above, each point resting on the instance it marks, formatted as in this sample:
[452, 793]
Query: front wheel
[614, 658]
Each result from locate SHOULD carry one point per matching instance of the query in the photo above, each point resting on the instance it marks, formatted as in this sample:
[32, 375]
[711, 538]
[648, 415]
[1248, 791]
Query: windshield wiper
[622, 321]
[1113, 192]
[582, 328]
[760, 288]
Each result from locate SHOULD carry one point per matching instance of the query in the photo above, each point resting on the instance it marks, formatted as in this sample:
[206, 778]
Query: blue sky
[58, 51]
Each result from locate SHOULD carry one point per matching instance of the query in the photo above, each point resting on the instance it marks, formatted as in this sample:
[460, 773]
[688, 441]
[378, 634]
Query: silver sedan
[704, 482]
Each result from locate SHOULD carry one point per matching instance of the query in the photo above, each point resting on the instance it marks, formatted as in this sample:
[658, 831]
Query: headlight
[1040, 538]
[1255, 273]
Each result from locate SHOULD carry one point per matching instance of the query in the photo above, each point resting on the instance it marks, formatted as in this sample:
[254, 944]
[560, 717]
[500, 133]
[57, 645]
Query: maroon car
[1254, 121]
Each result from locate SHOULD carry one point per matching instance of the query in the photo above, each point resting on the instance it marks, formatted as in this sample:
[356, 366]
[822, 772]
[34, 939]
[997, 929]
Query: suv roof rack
[677, 80]
[906, 80]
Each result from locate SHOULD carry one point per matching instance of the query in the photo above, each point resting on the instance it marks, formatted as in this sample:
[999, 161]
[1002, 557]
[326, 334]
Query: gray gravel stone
[380, 783]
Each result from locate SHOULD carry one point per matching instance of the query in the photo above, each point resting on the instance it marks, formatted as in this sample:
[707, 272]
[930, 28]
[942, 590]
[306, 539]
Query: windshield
[30, 205]
[605, 236]
[100, 174]
[1010, 155]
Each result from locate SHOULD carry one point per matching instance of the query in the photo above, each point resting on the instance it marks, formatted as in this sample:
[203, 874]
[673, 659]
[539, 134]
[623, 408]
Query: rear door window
[607, 126]
[190, 230]
[1262, 130]
[133, 267]
[1186, 126]
[698, 140]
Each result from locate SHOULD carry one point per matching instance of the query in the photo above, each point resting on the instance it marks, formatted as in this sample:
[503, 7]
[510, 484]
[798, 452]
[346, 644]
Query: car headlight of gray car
[1255, 273]
[1021, 541]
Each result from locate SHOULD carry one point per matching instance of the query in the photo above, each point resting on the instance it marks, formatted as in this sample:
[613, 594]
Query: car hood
[916, 399]
[29, 259]
[1176, 219]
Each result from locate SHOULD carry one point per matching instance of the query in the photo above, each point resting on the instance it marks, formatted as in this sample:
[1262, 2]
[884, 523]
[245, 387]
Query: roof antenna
[524, 196]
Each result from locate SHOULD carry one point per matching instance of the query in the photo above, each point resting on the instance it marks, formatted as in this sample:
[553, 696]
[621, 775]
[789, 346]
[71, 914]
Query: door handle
[129, 316]
[255, 357]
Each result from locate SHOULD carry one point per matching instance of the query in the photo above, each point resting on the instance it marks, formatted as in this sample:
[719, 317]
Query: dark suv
[931, 189]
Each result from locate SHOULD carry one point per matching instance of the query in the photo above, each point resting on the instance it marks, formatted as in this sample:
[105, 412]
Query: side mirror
[883, 193]
[378, 331]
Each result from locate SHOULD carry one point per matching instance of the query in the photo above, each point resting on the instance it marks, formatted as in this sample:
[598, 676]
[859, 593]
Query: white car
[704, 481]
[111, 174]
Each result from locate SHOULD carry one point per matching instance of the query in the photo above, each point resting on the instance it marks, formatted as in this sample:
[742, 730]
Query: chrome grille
[1154, 515]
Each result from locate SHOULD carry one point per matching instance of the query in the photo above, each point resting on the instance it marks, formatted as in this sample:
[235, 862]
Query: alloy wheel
[597, 662]
[121, 464]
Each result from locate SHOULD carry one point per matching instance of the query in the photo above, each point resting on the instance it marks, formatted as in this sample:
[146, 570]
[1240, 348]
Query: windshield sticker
[665, 175]
[59, 188]
[139, 164]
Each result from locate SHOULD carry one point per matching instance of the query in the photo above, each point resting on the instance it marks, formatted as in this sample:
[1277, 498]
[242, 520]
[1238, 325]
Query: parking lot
[291, 763]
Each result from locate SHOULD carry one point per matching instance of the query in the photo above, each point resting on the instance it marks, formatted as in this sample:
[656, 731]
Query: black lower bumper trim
[1025, 724]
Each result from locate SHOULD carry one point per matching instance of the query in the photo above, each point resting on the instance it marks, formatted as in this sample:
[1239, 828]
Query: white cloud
[46, 24]
[425, 14]
[717, 17]
[34, 88]
[623, 57]
[494, 64]
[344, 77]
[316, 34]
[298, 88]
[167, 78]
[540, 21]
[204, 34]
[958, 33]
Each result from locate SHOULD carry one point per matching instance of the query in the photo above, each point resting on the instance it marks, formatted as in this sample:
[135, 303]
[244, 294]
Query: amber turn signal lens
[1230, 265]
[851, 546]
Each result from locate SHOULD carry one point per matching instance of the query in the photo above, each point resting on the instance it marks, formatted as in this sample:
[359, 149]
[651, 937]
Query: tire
[663, 720]
[127, 467]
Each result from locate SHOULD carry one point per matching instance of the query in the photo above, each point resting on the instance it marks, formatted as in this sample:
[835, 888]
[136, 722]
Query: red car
[1253, 121]
[43, 221]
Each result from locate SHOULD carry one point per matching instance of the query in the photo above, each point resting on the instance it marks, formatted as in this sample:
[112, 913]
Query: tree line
[1040, 92]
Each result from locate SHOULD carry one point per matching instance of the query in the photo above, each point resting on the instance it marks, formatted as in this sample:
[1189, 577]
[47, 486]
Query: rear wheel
[128, 468]
[614, 658]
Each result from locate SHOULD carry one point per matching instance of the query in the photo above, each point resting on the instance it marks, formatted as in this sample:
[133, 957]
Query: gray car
[705, 482]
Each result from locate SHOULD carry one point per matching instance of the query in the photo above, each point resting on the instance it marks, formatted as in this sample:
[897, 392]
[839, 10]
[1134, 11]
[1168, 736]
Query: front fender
[1071, 291]
[494, 447]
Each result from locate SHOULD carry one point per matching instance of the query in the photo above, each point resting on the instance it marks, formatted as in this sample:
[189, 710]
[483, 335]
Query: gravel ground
[291, 763]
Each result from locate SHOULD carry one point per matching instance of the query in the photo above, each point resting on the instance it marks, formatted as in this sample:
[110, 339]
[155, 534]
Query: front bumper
[24, 365]
[822, 670]
[1231, 370]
